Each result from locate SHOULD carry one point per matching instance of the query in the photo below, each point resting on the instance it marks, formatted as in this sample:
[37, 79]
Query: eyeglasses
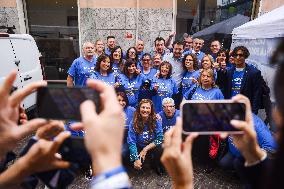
[146, 60]
[169, 106]
[240, 55]
[131, 52]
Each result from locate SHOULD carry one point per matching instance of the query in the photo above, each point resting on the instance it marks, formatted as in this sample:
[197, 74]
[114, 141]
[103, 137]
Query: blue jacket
[250, 87]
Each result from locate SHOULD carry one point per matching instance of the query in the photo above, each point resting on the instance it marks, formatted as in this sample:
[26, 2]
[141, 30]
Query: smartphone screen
[210, 118]
[61, 102]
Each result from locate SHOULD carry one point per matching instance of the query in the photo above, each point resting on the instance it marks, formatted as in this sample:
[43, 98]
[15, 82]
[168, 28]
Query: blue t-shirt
[136, 140]
[167, 87]
[264, 138]
[237, 82]
[81, 69]
[116, 69]
[202, 94]
[168, 123]
[129, 113]
[150, 75]
[131, 87]
[109, 79]
[186, 82]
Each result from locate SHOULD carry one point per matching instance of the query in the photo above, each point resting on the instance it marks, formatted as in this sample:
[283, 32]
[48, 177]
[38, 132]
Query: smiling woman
[145, 135]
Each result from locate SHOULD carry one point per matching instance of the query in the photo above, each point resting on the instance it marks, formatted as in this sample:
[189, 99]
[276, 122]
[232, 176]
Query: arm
[256, 92]
[169, 40]
[70, 81]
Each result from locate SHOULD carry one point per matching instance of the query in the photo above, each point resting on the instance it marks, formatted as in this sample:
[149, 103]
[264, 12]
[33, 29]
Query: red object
[129, 36]
[215, 141]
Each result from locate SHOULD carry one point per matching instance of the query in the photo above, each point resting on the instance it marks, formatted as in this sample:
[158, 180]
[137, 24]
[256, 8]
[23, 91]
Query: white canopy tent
[261, 36]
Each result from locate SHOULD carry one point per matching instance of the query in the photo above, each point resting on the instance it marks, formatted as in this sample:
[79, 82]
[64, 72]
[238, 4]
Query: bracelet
[258, 161]
[108, 174]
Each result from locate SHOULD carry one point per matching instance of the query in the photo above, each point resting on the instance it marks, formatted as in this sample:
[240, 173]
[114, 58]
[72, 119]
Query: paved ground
[149, 179]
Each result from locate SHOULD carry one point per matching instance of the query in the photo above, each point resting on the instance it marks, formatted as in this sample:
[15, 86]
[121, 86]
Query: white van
[20, 52]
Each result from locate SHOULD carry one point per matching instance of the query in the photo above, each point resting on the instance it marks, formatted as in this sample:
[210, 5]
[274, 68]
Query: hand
[50, 130]
[143, 153]
[138, 164]
[216, 65]
[138, 71]
[194, 80]
[109, 124]
[247, 142]
[172, 34]
[43, 155]
[177, 156]
[9, 114]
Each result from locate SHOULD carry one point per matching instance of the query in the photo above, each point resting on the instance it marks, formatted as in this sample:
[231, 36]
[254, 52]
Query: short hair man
[111, 43]
[242, 78]
[169, 114]
[197, 46]
[82, 67]
[175, 58]
[215, 46]
[187, 44]
[140, 50]
[159, 47]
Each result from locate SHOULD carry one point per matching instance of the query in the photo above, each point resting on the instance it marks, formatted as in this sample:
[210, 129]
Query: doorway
[54, 25]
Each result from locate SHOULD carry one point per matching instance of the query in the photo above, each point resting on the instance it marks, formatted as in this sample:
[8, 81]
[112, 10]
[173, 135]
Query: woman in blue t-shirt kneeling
[145, 136]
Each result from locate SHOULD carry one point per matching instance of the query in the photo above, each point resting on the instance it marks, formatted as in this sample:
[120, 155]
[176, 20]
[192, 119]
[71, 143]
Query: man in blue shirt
[197, 46]
[215, 46]
[140, 50]
[110, 44]
[242, 78]
[82, 67]
[169, 114]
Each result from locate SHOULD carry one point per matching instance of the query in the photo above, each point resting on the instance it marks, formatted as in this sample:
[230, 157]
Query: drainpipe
[137, 15]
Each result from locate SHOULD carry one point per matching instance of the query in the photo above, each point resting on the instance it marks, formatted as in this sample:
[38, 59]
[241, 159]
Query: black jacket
[251, 85]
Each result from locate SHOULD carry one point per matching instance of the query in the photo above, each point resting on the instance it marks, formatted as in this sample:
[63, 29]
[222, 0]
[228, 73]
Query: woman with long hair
[131, 54]
[190, 65]
[129, 112]
[131, 80]
[103, 70]
[145, 136]
[116, 60]
[166, 85]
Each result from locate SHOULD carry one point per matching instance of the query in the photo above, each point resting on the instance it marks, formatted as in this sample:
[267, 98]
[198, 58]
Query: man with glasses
[197, 46]
[169, 114]
[187, 45]
[242, 78]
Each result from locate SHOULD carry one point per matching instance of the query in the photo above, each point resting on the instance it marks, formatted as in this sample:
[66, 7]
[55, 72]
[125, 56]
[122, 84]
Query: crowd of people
[165, 76]
[140, 118]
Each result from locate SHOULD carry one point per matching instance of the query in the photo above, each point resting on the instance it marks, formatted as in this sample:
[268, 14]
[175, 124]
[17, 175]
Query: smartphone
[63, 103]
[73, 150]
[211, 117]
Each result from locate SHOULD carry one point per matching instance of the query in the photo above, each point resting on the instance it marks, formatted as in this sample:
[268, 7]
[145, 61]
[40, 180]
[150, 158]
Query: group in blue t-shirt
[81, 69]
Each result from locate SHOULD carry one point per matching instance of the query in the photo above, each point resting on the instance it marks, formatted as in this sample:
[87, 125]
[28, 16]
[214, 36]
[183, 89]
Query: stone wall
[9, 14]
[99, 22]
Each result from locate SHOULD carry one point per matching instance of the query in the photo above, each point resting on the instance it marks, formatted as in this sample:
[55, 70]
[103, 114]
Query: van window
[7, 58]
[27, 53]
